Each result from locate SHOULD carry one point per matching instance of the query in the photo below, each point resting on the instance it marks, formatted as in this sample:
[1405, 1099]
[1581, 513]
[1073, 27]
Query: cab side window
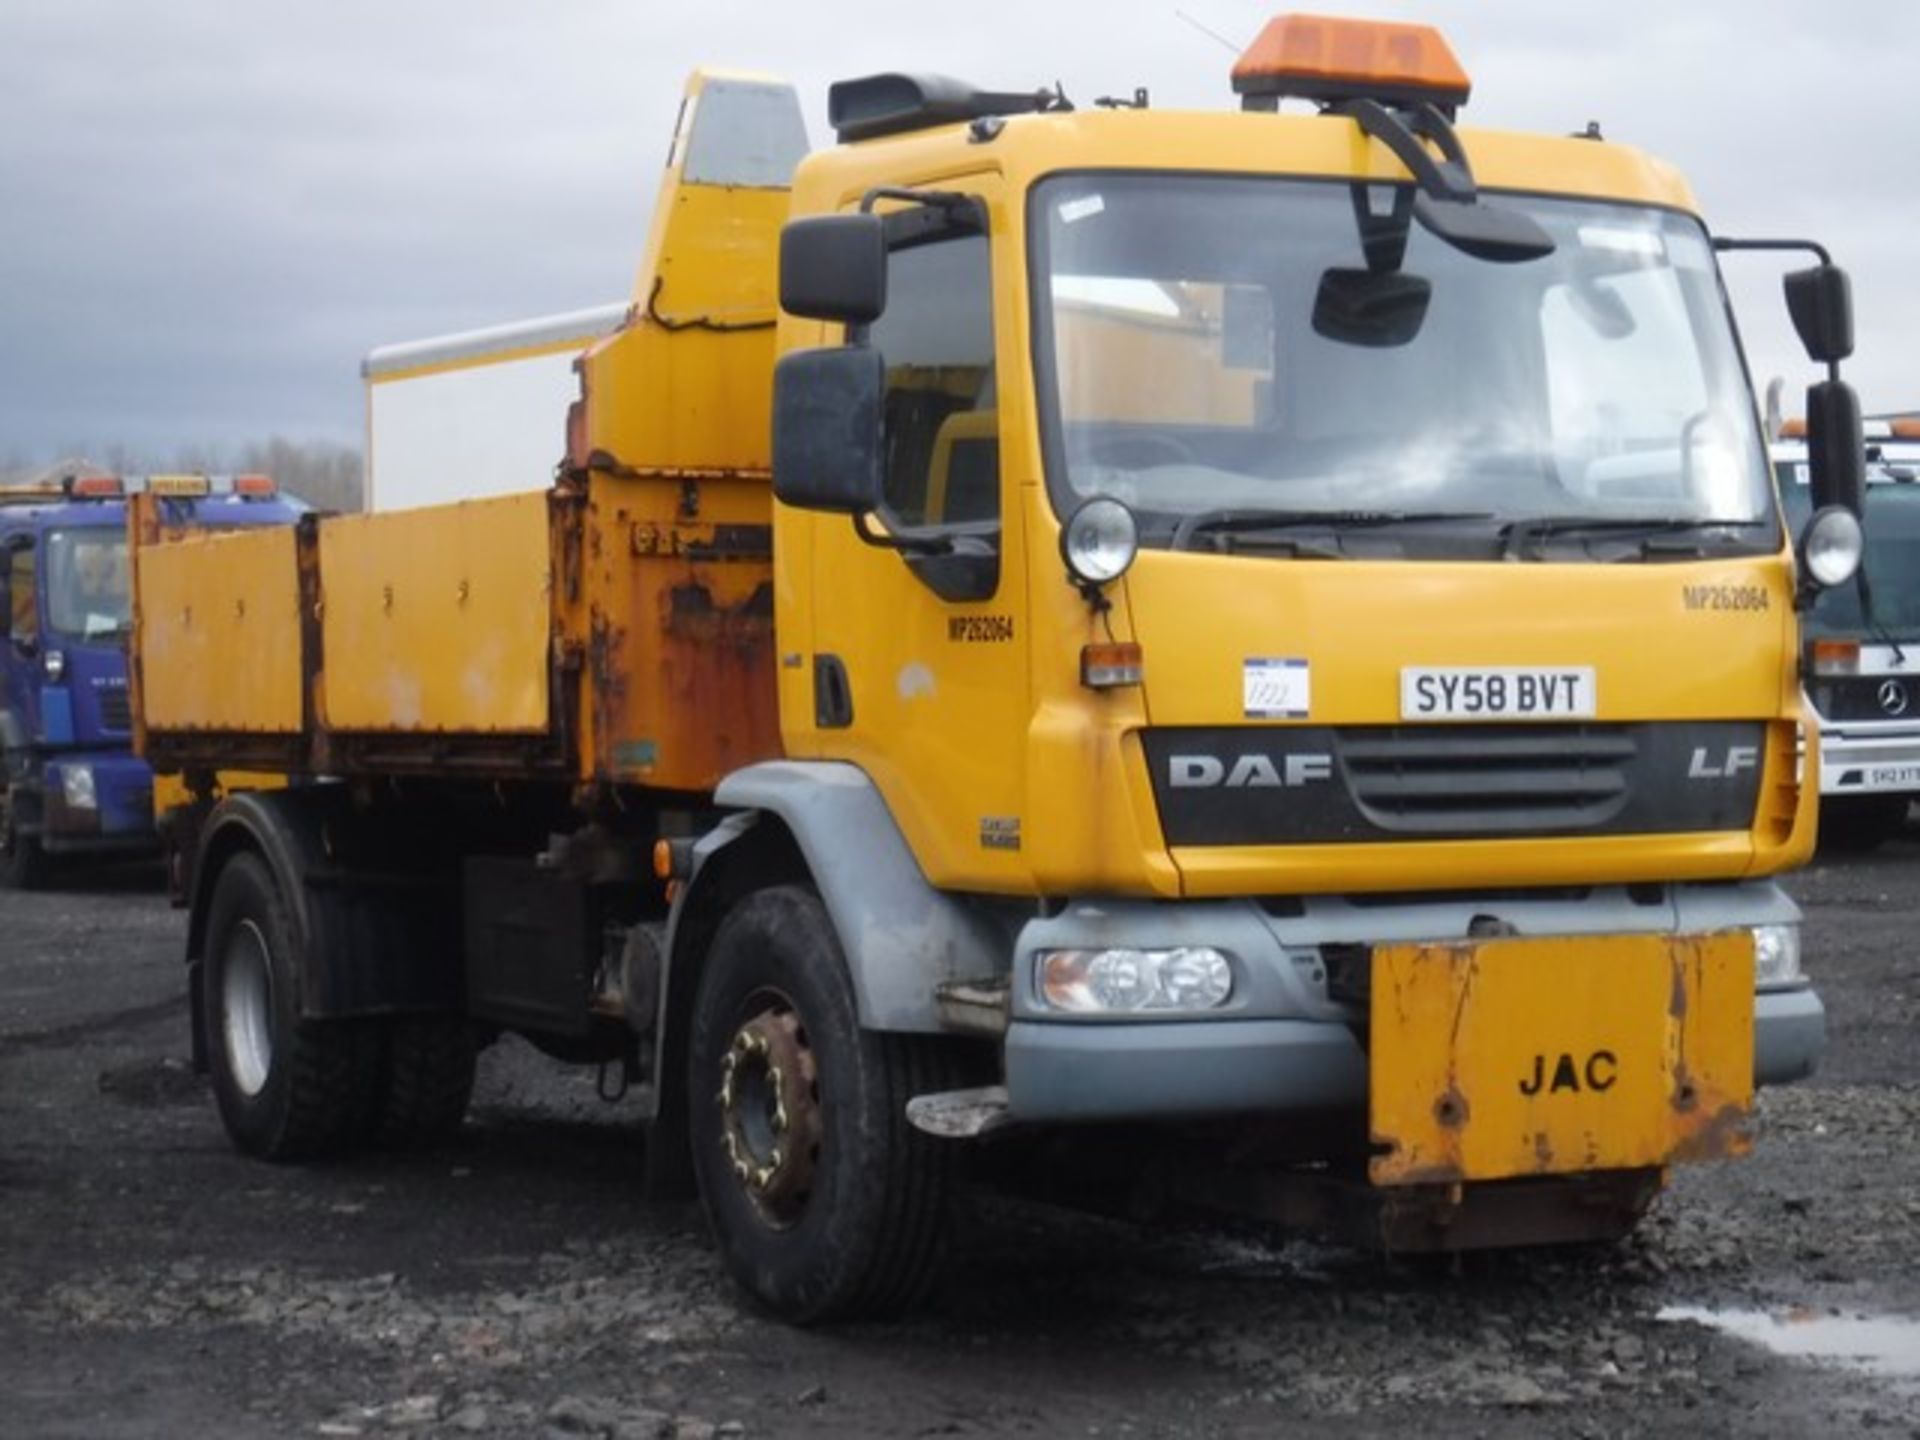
[23, 613]
[941, 420]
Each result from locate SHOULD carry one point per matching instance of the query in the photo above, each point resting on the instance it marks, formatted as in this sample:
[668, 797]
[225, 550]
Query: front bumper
[1284, 1046]
[1182, 1069]
[1789, 1035]
[1191, 1069]
[1869, 759]
[120, 821]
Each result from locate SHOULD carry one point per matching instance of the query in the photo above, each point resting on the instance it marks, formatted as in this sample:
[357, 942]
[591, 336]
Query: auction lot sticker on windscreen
[1275, 689]
[1498, 692]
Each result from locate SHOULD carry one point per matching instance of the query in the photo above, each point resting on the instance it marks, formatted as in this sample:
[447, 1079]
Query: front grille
[1483, 780]
[1308, 784]
[116, 707]
[1867, 697]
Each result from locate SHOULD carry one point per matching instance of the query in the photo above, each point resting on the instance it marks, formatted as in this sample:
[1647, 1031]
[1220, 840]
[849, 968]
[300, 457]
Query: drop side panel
[219, 633]
[438, 620]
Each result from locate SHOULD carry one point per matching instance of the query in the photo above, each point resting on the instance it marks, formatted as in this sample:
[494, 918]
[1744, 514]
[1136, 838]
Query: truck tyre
[426, 1080]
[288, 1087]
[1859, 823]
[825, 1203]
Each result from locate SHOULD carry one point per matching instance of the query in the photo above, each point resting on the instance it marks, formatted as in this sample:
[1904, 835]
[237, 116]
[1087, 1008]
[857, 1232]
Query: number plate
[1498, 692]
[1889, 777]
[1557, 1056]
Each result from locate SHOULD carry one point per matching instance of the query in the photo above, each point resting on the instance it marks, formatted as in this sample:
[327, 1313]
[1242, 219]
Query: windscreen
[88, 595]
[1226, 344]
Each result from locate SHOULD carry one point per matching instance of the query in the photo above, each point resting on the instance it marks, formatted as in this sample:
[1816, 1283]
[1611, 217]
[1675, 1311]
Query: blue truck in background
[70, 784]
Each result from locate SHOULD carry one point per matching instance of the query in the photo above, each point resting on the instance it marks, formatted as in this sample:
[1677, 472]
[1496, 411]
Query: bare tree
[327, 476]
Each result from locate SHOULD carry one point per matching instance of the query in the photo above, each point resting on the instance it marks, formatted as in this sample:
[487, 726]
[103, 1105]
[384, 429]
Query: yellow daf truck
[1240, 658]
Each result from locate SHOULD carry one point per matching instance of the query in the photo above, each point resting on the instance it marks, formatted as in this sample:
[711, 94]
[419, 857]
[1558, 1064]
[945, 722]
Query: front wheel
[23, 863]
[288, 1086]
[826, 1204]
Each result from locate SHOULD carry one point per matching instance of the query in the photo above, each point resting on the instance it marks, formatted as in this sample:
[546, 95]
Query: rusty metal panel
[219, 633]
[438, 620]
[681, 663]
[1516, 1057]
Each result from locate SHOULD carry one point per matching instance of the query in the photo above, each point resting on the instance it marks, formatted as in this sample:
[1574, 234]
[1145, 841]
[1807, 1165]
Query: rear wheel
[288, 1087]
[1862, 822]
[426, 1080]
[826, 1204]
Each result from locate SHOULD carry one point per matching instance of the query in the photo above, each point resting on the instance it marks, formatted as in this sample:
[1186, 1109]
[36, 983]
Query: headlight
[1776, 956]
[54, 664]
[76, 785]
[1193, 977]
[1831, 546]
[1100, 541]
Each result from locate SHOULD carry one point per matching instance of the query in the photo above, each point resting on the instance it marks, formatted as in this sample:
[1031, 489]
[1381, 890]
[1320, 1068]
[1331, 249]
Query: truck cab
[1861, 643]
[71, 784]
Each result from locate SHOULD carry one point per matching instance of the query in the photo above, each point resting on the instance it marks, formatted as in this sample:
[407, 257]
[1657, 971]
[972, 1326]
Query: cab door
[920, 646]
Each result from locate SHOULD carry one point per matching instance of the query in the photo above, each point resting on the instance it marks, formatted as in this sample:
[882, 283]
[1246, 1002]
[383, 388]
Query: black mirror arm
[1444, 179]
[905, 544]
[930, 212]
[1724, 244]
[1427, 121]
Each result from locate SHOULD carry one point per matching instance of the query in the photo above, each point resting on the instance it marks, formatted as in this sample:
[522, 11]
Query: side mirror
[827, 450]
[1484, 229]
[1836, 447]
[1820, 300]
[834, 267]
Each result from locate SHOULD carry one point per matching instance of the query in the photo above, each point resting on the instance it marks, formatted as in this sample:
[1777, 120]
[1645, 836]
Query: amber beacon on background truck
[1112, 642]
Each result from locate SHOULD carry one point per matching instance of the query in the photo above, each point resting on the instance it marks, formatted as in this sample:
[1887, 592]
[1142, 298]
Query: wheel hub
[247, 1009]
[770, 1113]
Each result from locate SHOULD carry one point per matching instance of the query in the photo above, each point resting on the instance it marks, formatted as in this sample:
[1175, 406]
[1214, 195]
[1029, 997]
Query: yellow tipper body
[620, 625]
[672, 442]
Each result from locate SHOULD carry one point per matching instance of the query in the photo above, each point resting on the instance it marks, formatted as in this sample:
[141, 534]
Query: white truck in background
[1861, 658]
[474, 414]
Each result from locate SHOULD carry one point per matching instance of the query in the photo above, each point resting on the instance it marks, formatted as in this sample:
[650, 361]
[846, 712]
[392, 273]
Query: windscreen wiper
[1254, 521]
[1516, 535]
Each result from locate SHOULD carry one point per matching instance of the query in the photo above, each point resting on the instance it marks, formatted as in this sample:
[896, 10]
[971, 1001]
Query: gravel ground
[154, 1283]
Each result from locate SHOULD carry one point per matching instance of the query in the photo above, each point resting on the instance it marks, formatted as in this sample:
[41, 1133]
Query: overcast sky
[210, 210]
